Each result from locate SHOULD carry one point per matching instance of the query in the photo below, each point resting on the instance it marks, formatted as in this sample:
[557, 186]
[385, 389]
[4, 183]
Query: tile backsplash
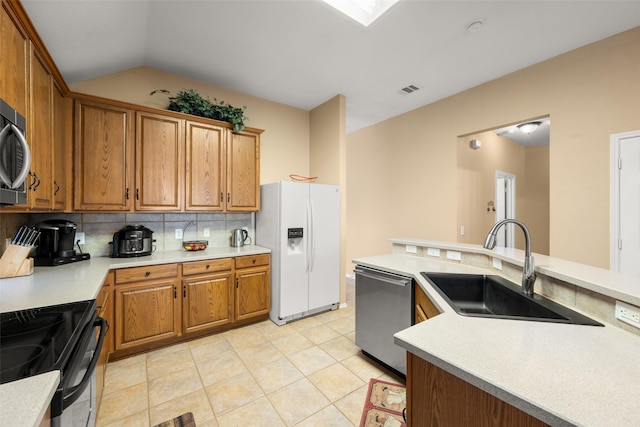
[100, 227]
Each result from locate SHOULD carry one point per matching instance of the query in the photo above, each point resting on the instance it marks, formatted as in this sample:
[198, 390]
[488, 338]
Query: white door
[294, 290]
[324, 246]
[625, 198]
[505, 207]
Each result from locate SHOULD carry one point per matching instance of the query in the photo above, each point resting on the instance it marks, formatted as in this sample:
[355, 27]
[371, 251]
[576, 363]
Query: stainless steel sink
[493, 296]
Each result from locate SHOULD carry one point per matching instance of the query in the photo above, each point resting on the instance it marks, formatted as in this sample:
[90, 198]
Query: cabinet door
[103, 161]
[61, 150]
[207, 301]
[146, 313]
[424, 308]
[14, 60]
[205, 167]
[40, 133]
[159, 162]
[243, 172]
[252, 296]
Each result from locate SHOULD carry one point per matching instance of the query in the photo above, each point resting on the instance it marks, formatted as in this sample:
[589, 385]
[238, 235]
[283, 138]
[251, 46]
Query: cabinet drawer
[150, 272]
[252, 260]
[208, 266]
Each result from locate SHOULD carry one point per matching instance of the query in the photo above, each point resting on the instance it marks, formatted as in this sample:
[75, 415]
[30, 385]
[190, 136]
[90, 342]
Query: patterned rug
[384, 405]
[184, 420]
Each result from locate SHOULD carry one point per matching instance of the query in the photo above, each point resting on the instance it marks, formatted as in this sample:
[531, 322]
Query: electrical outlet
[454, 255]
[628, 314]
[497, 263]
[433, 252]
[411, 249]
[205, 232]
[178, 233]
[80, 238]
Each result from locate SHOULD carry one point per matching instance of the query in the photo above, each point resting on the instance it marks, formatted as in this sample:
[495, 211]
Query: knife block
[15, 261]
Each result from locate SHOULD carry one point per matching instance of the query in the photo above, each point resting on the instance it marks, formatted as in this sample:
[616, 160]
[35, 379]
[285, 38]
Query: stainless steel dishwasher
[383, 307]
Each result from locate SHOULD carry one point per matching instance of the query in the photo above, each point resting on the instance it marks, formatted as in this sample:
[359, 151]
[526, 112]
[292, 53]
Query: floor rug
[384, 405]
[184, 420]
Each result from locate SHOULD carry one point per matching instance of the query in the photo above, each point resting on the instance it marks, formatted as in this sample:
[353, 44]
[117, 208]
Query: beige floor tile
[340, 348]
[276, 375]
[173, 385]
[306, 323]
[204, 349]
[336, 381]
[352, 404]
[273, 331]
[247, 339]
[259, 355]
[220, 367]
[161, 363]
[140, 419]
[119, 377]
[319, 334]
[292, 343]
[129, 361]
[298, 401]
[328, 417]
[232, 393]
[121, 403]
[197, 403]
[311, 360]
[363, 367]
[343, 325]
[258, 413]
[332, 315]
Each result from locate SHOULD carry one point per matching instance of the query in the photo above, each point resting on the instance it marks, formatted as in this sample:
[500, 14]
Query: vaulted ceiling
[303, 52]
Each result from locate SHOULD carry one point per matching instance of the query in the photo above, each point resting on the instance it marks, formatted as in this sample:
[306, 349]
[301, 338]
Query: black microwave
[15, 157]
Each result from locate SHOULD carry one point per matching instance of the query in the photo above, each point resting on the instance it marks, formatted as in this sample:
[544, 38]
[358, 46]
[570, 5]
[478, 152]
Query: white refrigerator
[300, 223]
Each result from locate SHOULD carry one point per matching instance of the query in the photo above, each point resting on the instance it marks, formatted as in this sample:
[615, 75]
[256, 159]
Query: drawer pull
[254, 261]
[147, 274]
[208, 266]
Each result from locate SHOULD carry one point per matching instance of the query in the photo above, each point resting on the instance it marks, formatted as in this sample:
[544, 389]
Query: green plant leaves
[191, 102]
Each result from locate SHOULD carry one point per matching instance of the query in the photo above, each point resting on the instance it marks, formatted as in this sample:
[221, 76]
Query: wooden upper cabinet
[14, 61]
[159, 162]
[205, 167]
[103, 157]
[40, 131]
[62, 161]
[243, 172]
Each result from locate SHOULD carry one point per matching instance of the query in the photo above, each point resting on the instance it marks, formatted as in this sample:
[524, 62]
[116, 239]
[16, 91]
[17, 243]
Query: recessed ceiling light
[362, 11]
[529, 127]
[475, 25]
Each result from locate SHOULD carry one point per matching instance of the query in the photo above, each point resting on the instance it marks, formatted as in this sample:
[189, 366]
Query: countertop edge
[25, 402]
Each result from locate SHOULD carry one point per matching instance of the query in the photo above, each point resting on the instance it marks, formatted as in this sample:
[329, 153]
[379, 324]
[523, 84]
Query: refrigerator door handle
[308, 238]
[312, 243]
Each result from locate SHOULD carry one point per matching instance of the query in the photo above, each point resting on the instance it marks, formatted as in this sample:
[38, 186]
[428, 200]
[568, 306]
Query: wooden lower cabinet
[253, 285]
[207, 297]
[424, 308]
[438, 398]
[164, 304]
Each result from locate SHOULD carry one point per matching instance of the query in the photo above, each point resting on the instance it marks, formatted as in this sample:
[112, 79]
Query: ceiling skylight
[363, 11]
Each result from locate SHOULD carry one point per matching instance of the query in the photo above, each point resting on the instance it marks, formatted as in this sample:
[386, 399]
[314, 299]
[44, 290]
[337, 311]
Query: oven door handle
[73, 393]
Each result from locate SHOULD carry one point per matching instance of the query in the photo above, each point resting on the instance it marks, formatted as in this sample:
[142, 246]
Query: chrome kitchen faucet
[528, 272]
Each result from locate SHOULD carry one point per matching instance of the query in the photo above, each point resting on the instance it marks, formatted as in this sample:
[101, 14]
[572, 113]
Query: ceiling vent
[410, 89]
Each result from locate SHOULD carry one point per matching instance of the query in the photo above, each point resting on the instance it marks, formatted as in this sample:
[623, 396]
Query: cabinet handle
[35, 178]
[147, 274]
[207, 267]
[184, 291]
[175, 293]
[254, 261]
[236, 283]
[137, 194]
[126, 194]
[221, 197]
[228, 197]
[57, 187]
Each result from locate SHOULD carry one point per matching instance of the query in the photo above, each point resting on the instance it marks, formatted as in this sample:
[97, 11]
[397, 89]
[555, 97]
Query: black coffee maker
[57, 239]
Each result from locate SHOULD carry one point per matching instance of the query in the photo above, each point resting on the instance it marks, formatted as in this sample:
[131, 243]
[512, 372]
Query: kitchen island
[561, 374]
[70, 283]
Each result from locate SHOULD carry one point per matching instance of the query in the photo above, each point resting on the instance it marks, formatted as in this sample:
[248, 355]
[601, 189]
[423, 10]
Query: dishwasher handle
[383, 276]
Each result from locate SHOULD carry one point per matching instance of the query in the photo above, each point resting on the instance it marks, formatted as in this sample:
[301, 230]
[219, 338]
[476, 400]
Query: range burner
[61, 260]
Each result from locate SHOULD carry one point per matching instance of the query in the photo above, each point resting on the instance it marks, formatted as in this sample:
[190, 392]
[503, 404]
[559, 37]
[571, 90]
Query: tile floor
[306, 373]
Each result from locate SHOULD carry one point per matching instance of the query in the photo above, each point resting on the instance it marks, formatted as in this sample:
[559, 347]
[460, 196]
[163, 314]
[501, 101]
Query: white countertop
[562, 374]
[69, 283]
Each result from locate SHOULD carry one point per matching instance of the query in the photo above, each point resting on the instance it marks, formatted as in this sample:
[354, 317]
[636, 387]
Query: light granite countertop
[69, 283]
[562, 374]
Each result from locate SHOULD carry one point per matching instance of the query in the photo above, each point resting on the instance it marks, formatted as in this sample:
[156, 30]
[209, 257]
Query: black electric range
[41, 339]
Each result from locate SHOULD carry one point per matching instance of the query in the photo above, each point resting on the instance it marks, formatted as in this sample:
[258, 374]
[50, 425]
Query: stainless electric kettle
[239, 237]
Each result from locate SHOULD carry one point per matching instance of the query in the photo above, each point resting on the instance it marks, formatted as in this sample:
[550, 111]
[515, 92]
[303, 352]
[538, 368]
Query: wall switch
[178, 233]
[80, 238]
[454, 255]
[433, 252]
[412, 249]
[497, 263]
[628, 313]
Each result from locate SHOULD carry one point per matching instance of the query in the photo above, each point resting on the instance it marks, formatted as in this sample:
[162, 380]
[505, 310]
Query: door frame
[614, 198]
[510, 205]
